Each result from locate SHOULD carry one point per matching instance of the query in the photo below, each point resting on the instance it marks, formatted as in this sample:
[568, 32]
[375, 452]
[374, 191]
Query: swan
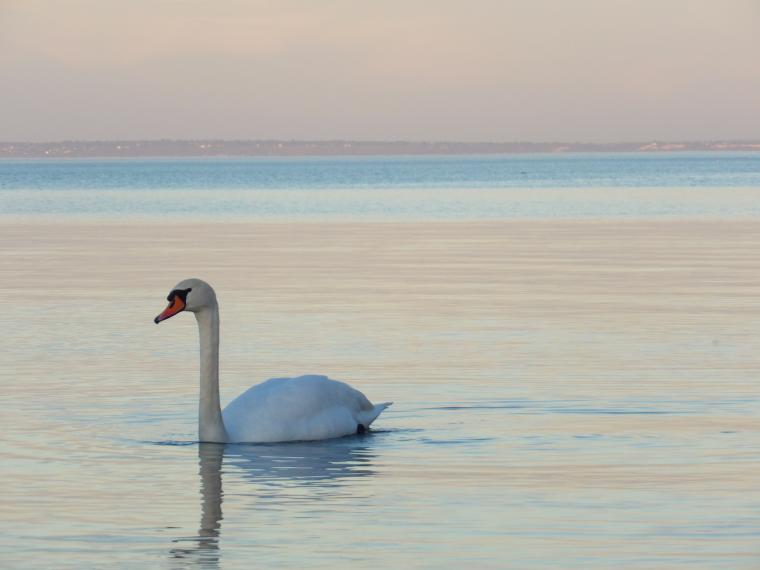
[278, 410]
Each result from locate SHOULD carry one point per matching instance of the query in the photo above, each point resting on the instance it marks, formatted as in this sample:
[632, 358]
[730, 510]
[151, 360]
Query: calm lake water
[569, 393]
[388, 188]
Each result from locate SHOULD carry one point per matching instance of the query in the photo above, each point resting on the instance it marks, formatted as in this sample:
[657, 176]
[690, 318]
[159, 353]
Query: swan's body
[280, 409]
[297, 409]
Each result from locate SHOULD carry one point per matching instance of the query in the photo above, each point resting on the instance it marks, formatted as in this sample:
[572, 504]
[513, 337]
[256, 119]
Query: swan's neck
[210, 424]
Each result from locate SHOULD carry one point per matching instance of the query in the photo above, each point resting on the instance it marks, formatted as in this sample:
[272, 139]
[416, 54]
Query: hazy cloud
[437, 69]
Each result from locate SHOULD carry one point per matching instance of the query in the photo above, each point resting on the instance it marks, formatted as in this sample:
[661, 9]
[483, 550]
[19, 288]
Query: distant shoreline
[251, 148]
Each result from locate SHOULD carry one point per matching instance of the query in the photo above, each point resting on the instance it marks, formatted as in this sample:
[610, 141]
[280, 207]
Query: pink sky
[503, 70]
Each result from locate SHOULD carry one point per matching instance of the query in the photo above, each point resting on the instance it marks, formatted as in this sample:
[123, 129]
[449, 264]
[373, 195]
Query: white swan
[280, 409]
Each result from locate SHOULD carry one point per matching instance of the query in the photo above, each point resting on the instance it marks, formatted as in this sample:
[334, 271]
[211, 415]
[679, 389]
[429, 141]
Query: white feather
[298, 409]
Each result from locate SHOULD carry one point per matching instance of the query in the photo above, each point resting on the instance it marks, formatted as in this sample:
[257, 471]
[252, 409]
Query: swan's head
[188, 295]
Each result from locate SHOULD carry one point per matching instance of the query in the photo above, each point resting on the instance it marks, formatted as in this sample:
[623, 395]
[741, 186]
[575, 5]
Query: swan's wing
[302, 408]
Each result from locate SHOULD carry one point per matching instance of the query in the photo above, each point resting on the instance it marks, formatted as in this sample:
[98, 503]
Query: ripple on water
[559, 395]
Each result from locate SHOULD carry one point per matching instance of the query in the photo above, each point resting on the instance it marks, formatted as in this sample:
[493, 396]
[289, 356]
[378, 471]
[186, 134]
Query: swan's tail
[368, 416]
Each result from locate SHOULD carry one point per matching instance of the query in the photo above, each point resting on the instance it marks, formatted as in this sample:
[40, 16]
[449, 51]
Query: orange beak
[176, 306]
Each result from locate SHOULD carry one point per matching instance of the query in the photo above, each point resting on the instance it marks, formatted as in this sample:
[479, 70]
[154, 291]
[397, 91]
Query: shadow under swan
[321, 465]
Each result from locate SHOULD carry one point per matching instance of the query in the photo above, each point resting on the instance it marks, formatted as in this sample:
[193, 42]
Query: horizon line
[136, 148]
[383, 141]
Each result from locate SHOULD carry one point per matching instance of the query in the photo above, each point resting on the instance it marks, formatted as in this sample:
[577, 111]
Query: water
[444, 188]
[568, 393]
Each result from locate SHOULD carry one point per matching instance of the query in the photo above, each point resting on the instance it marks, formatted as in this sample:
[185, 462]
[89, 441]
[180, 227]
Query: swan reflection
[322, 466]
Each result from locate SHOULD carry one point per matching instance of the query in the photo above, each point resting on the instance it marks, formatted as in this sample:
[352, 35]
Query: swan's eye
[181, 293]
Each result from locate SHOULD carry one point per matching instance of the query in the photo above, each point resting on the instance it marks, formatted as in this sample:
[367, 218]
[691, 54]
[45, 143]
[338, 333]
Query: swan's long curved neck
[210, 423]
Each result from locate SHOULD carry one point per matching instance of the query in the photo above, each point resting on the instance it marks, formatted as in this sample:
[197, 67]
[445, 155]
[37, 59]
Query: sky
[455, 70]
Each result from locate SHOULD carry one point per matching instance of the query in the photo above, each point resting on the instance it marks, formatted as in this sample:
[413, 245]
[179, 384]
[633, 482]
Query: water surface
[570, 342]
[669, 185]
[575, 394]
